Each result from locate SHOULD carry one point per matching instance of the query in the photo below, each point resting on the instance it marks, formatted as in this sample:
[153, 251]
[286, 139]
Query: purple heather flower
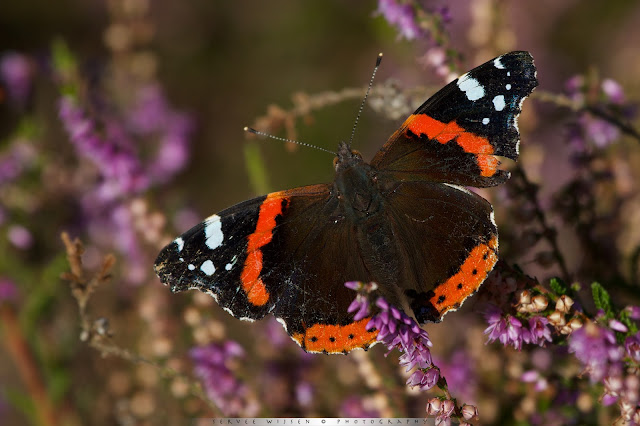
[16, 72]
[540, 332]
[219, 382]
[601, 132]
[588, 127]
[633, 311]
[442, 409]
[397, 330]
[436, 59]
[632, 346]
[616, 325]
[109, 151]
[612, 90]
[20, 236]
[152, 116]
[304, 393]
[402, 16]
[597, 349]
[532, 376]
[360, 306]
[459, 370]
[353, 285]
[507, 329]
[574, 87]
[446, 410]
[356, 407]
[8, 290]
[15, 161]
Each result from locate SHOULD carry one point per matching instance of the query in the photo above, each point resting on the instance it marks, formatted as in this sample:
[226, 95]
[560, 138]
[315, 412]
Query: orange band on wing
[336, 338]
[422, 124]
[450, 294]
[254, 287]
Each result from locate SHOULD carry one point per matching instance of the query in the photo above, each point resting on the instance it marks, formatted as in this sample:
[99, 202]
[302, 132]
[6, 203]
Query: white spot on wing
[281, 321]
[213, 232]
[207, 267]
[508, 87]
[485, 120]
[498, 103]
[471, 87]
[191, 266]
[497, 63]
[228, 266]
[179, 242]
[458, 187]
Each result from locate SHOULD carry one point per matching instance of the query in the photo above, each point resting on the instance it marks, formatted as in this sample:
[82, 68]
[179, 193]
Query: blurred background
[121, 123]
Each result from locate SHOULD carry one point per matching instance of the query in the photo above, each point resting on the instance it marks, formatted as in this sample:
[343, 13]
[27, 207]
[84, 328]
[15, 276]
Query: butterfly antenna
[257, 132]
[373, 75]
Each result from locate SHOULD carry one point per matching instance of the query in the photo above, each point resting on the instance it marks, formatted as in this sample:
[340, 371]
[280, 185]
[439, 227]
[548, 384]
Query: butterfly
[405, 221]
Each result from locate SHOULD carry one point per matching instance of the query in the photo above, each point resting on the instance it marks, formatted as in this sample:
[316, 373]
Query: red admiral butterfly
[404, 220]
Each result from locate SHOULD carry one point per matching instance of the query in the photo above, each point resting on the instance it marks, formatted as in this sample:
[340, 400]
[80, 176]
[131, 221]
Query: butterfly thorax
[355, 184]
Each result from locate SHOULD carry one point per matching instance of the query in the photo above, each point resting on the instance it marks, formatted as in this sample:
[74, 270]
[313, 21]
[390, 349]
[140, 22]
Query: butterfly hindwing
[456, 247]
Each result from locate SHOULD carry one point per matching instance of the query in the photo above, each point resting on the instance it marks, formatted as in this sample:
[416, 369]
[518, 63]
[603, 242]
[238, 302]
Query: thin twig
[96, 332]
[548, 232]
[577, 106]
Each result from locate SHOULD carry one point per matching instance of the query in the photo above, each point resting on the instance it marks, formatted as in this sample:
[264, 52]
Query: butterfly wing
[289, 254]
[445, 234]
[446, 241]
[456, 134]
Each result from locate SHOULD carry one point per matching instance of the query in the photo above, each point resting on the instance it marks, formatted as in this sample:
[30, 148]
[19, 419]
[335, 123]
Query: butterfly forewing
[456, 134]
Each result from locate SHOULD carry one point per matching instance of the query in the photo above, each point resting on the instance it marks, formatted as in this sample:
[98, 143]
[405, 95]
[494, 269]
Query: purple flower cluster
[597, 349]
[211, 366]
[115, 144]
[107, 146]
[401, 15]
[399, 331]
[459, 370]
[16, 72]
[153, 117]
[589, 129]
[15, 161]
[509, 330]
[142, 145]
[360, 305]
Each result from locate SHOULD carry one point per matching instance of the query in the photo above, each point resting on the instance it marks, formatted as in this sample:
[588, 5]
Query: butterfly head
[346, 158]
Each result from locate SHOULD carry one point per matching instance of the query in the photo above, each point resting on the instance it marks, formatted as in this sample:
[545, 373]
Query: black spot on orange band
[327, 338]
[422, 124]
[450, 294]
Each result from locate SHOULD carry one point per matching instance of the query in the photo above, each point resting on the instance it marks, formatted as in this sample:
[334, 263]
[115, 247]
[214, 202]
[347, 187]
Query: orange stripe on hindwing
[472, 273]
[422, 124]
[336, 338]
[253, 286]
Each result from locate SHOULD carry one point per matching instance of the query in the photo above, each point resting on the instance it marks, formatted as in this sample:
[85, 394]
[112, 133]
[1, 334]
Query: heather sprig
[17, 73]
[212, 366]
[397, 330]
